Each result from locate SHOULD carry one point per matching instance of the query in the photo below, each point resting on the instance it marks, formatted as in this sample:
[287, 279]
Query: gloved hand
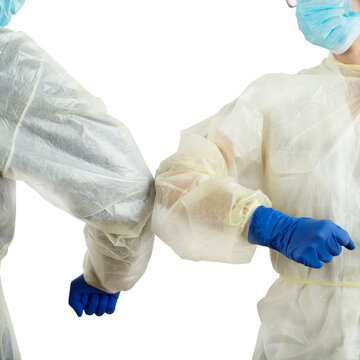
[307, 241]
[94, 301]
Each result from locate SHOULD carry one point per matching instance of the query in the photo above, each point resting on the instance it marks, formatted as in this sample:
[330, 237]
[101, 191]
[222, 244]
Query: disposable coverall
[60, 140]
[291, 142]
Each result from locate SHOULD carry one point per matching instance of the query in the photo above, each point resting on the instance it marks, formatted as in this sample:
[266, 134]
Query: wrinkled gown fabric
[59, 139]
[291, 142]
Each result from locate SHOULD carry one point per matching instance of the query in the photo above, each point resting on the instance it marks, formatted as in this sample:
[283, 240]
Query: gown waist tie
[321, 282]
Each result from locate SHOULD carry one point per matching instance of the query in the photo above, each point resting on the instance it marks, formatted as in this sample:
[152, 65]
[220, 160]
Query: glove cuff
[263, 227]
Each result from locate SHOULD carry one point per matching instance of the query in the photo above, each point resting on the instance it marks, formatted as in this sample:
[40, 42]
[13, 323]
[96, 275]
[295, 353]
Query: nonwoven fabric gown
[291, 142]
[59, 139]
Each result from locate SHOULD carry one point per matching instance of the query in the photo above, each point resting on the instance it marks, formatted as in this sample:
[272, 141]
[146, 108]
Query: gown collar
[336, 66]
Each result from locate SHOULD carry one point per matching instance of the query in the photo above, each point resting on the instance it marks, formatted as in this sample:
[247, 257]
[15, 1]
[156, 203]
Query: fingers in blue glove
[94, 301]
[334, 247]
[310, 258]
[75, 303]
[92, 304]
[103, 304]
[112, 304]
[324, 256]
[327, 243]
[84, 300]
[344, 239]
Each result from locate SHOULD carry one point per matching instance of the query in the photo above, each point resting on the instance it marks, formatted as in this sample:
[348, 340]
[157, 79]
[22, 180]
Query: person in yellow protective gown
[290, 143]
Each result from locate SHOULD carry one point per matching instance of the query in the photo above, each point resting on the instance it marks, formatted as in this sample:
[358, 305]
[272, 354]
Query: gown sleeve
[208, 190]
[59, 139]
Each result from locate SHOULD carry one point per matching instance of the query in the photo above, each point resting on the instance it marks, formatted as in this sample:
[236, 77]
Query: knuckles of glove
[86, 298]
[316, 242]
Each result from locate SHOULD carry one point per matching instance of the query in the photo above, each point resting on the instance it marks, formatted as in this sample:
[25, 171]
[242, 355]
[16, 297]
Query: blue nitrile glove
[94, 301]
[307, 241]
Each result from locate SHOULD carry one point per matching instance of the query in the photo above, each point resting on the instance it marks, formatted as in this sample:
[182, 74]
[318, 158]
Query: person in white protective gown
[60, 140]
[292, 143]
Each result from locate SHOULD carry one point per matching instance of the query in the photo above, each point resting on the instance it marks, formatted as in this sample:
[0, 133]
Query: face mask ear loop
[291, 3]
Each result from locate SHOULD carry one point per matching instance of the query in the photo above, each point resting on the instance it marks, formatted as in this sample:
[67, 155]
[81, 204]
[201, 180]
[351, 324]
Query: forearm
[113, 262]
[201, 212]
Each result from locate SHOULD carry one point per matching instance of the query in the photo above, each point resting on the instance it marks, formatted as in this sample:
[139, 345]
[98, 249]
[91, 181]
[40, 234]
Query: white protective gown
[291, 142]
[59, 139]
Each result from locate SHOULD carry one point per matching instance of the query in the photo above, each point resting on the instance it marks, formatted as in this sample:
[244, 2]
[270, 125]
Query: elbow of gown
[201, 211]
[60, 140]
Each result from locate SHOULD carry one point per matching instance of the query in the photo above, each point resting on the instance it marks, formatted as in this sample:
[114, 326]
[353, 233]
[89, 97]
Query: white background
[160, 66]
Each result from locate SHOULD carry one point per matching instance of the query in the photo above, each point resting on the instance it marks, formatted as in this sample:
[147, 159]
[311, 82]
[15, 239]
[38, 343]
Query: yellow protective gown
[60, 140]
[291, 142]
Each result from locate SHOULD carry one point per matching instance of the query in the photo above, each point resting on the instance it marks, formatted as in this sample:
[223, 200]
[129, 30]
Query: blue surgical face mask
[331, 24]
[8, 8]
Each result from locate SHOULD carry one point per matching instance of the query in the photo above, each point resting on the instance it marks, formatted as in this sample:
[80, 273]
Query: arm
[208, 191]
[209, 194]
[60, 140]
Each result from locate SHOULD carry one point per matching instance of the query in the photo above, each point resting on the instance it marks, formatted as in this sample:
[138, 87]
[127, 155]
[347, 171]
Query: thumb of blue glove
[307, 241]
[94, 301]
